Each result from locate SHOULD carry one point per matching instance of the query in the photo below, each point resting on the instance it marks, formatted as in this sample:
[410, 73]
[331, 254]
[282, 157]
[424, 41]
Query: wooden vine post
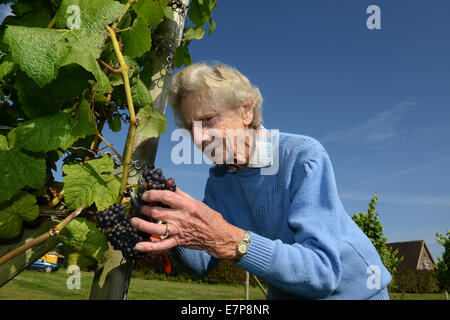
[112, 278]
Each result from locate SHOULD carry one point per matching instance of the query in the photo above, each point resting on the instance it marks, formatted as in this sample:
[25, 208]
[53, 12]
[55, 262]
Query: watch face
[242, 248]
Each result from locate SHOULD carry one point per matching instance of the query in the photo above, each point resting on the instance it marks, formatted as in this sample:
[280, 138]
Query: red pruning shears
[166, 261]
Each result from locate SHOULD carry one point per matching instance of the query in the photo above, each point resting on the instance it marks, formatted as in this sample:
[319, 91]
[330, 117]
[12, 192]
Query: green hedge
[415, 281]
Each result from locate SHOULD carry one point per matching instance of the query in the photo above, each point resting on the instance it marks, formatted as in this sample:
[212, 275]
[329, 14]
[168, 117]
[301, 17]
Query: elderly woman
[289, 227]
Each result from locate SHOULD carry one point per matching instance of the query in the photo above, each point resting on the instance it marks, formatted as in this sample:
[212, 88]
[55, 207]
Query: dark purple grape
[121, 234]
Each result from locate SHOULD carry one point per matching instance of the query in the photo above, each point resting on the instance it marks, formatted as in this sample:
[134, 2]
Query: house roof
[410, 250]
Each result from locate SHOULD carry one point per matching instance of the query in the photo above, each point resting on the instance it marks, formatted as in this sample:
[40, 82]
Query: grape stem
[108, 66]
[52, 232]
[135, 186]
[133, 124]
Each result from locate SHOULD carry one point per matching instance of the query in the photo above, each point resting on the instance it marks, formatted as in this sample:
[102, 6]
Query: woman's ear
[247, 113]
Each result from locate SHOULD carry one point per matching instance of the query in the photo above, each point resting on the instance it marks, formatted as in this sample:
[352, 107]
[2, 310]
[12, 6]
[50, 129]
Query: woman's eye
[208, 119]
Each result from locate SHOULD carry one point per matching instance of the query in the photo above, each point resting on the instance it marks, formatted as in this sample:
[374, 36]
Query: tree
[371, 226]
[442, 268]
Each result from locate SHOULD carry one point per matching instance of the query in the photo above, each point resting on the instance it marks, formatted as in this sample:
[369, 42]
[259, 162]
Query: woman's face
[218, 128]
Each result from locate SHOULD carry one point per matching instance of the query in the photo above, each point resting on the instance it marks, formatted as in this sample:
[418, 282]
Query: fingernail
[133, 222]
[139, 246]
[146, 196]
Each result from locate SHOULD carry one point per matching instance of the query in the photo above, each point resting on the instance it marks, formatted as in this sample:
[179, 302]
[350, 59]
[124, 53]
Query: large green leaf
[58, 130]
[84, 237]
[41, 52]
[90, 182]
[30, 13]
[93, 15]
[61, 92]
[152, 11]
[18, 169]
[141, 95]
[137, 40]
[200, 11]
[151, 124]
[21, 207]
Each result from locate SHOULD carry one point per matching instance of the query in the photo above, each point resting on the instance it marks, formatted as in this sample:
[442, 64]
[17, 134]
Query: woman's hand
[192, 224]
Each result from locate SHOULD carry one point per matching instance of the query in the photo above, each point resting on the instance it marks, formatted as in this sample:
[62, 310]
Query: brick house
[415, 254]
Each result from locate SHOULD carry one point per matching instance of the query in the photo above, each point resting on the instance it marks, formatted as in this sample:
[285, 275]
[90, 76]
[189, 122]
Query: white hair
[225, 85]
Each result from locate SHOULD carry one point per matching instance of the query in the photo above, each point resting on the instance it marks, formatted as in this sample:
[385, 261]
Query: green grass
[38, 285]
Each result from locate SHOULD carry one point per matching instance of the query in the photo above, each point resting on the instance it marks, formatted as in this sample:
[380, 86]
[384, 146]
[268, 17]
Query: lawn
[38, 285]
[34, 285]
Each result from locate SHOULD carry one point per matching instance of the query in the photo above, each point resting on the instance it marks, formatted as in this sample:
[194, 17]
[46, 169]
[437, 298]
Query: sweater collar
[262, 155]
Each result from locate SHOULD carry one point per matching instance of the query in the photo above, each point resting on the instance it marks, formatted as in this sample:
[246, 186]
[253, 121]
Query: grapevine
[69, 69]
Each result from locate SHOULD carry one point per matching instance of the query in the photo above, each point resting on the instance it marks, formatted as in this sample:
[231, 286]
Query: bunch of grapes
[155, 180]
[120, 233]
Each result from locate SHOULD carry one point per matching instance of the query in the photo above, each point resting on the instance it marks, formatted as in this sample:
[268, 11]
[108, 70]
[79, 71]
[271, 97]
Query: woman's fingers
[150, 227]
[158, 213]
[162, 245]
[170, 198]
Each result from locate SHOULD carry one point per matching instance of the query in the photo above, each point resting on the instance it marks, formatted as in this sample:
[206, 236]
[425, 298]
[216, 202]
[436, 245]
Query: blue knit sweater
[302, 241]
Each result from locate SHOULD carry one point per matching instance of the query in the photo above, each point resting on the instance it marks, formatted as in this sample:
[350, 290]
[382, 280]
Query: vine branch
[52, 232]
[110, 146]
[133, 124]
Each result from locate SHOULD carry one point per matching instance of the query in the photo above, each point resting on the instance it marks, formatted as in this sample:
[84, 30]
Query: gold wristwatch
[242, 247]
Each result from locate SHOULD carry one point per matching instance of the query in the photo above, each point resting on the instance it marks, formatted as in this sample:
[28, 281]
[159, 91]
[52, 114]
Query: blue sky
[378, 100]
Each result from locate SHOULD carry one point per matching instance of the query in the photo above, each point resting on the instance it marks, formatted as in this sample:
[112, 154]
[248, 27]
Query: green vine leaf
[30, 13]
[21, 207]
[85, 238]
[6, 67]
[57, 131]
[137, 40]
[90, 182]
[182, 55]
[151, 124]
[18, 169]
[152, 11]
[212, 26]
[3, 143]
[41, 52]
[194, 33]
[73, 257]
[115, 122]
[61, 92]
[141, 95]
[200, 11]
[168, 12]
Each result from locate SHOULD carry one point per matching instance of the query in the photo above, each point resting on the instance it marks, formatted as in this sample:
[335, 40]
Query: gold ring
[167, 230]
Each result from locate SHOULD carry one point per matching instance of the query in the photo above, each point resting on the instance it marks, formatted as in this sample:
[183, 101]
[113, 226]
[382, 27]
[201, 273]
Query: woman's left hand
[192, 224]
